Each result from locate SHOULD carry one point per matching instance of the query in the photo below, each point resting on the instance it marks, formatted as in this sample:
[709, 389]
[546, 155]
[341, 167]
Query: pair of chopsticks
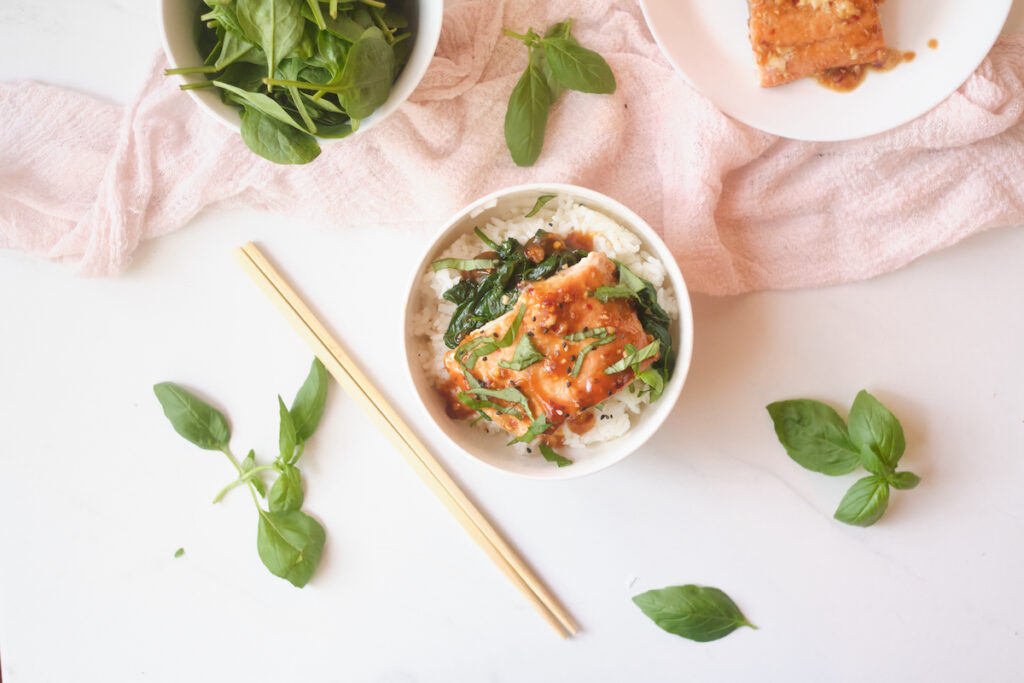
[356, 384]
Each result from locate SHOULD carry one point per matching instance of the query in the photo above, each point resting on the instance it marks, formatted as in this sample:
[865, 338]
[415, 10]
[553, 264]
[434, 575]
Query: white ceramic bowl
[489, 448]
[177, 26]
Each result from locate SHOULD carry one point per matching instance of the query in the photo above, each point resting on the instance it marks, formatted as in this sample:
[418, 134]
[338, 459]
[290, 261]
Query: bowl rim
[631, 221]
[228, 116]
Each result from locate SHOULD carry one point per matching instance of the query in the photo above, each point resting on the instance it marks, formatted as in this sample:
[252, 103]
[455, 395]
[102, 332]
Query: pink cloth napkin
[741, 210]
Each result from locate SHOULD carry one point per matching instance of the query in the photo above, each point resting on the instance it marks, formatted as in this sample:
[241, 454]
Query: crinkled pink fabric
[741, 210]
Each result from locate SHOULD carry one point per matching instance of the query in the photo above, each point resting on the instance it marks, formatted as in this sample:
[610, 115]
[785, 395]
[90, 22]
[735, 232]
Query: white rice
[561, 216]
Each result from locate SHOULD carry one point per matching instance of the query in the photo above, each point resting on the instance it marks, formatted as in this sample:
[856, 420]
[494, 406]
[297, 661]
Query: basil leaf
[699, 613]
[286, 493]
[537, 427]
[486, 240]
[308, 406]
[560, 30]
[595, 333]
[633, 357]
[482, 349]
[193, 418]
[247, 464]
[628, 287]
[179, 552]
[577, 67]
[865, 502]
[874, 429]
[276, 25]
[551, 456]
[541, 201]
[654, 381]
[510, 394]
[464, 264]
[368, 74]
[290, 544]
[587, 349]
[904, 480]
[814, 436]
[275, 141]
[525, 355]
[286, 436]
[527, 115]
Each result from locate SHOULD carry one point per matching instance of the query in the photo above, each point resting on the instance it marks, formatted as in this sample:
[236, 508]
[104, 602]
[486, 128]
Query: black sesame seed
[586, 329]
[495, 335]
[568, 383]
[529, 334]
[529, 450]
[573, 359]
[609, 392]
[568, 370]
[484, 358]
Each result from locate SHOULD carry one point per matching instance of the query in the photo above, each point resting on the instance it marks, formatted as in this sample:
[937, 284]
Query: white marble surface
[96, 491]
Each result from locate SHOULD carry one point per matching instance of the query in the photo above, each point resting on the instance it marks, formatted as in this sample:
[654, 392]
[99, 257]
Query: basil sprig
[632, 358]
[815, 436]
[600, 341]
[289, 541]
[555, 62]
[699, 613]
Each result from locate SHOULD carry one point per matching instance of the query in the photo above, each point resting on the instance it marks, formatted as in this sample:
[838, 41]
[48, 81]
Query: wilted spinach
[297, 73]
[491, 292]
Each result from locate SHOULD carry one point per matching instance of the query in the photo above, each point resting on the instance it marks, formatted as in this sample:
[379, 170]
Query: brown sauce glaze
[453, 408]
[582, 423]
[847, 78]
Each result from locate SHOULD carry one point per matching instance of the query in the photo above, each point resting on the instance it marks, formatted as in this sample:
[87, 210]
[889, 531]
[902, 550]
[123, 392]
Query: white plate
[706, 41]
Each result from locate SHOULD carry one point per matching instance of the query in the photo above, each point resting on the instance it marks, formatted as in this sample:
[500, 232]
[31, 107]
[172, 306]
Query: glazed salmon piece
[554, 308]
[793, 39]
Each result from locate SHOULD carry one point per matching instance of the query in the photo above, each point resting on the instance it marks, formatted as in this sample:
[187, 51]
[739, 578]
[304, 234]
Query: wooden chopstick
[359, 387]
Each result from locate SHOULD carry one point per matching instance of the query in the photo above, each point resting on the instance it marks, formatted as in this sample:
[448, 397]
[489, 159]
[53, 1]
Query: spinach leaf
[308, 406]
[193, 418]
[587, 349]
[539, 204]
[525, 355]
[527, 115]
[369, 71]
[699, 613]
[537, 427]
[865, 502]
[814, 435]
[286, 492]
[876, 432]
[551, 456]
[263, 103]
[275, 141]
[577, 67]
[464, 264]
[276, 25]
[290, 544]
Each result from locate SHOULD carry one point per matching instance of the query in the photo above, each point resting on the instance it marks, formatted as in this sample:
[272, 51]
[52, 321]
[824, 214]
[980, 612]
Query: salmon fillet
[554, 308]
[797, 38]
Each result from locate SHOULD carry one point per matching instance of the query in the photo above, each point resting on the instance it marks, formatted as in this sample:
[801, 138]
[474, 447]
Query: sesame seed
[568, 383]
[573, 359]
[529, 450]
[534, 318]
[609, 392]
[529, 334]
[484, 358]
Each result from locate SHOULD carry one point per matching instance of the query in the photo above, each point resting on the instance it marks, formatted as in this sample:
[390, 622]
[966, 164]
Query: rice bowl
[615, 424]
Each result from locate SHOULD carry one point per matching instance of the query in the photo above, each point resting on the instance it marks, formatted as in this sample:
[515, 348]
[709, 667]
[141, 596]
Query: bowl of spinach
[289, 75]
